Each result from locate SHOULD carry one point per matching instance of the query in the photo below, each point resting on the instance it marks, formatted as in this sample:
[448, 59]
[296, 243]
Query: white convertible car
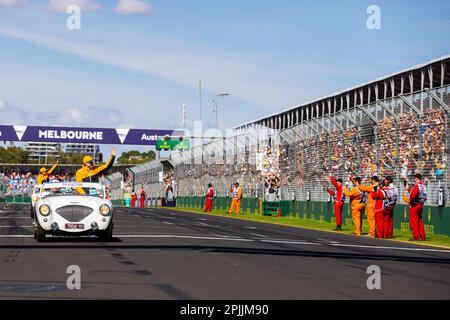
[62, 210]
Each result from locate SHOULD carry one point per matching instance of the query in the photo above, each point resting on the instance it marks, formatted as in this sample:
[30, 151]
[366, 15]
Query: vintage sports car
[62, 210]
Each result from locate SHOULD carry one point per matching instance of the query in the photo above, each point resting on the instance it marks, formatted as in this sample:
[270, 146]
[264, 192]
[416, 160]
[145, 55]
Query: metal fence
[398, 137]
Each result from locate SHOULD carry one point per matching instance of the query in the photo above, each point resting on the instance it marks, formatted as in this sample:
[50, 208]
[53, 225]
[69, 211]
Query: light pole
[216, 100]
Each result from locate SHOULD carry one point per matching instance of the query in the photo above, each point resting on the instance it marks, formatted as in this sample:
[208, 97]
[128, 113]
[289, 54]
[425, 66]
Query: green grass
[399, 235]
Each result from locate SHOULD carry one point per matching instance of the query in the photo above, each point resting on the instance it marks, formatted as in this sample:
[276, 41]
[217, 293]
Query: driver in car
[89, 173]
[44, 174]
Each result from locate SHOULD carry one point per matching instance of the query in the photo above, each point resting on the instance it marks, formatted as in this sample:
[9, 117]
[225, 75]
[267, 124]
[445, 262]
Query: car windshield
[70, 191]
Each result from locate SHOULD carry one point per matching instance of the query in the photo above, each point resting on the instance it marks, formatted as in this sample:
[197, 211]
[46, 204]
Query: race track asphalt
[168, 254]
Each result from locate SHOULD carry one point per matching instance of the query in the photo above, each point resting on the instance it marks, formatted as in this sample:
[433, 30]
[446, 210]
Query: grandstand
[394, 125]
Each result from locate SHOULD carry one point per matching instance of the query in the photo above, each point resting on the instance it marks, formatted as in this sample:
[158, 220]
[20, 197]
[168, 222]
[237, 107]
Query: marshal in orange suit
[375, 181]
[236, 191]
[358, 203]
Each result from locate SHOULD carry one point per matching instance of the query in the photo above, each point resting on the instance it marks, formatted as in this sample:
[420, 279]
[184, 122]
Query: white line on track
[253, 228]
[286, 241]
[16, 226]
[179, 237]
[15, 218]
[230, 238]
[16, 236]
[391, 248]
[221, 235]
[292, 242]
[167, 222]
[258, 235]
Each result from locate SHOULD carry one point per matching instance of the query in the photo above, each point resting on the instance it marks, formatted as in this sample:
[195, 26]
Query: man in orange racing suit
[358, 201]
[236, 191]
[89, 173]
[44, 174]
[375, 181]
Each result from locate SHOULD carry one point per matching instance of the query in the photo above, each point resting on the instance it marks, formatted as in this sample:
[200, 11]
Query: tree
[136, 157]
[13, 155]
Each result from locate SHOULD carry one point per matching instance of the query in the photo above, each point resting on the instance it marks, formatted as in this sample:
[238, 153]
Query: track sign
[176, 144]
[163, 144]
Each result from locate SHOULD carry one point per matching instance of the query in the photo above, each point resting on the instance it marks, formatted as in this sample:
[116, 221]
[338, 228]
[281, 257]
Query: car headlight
[105, 209]
[44, 210]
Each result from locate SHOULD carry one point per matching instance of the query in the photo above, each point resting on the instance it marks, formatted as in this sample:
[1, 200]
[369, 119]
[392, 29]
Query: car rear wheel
[107, 235]
[32, 212]
[39, 233]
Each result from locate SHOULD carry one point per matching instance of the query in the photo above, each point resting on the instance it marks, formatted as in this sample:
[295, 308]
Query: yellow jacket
[42, 177]
[85, 174]
[355, 197]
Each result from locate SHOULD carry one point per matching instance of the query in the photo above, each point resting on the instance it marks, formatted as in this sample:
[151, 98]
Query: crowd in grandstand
[403, 146]
[398, 147]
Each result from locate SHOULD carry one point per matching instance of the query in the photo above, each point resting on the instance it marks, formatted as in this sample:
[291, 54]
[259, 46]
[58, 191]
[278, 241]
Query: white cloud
[236, 73]
[71, 116]
[62, 5]
[12, 3]
[133, 6]
[2, 105]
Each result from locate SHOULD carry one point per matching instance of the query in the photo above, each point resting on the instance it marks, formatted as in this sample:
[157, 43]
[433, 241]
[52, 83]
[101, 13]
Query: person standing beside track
[209, 199]
[133, 198]
[44, 174]
[338, 200]
[87, 173]
[358, 201]
[142, 197]
[417, 199]
[388, 207]
[236, 191]
[379, 194]
[371, 221]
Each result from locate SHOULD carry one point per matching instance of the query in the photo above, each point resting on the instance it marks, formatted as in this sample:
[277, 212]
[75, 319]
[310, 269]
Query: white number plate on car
[74, 226]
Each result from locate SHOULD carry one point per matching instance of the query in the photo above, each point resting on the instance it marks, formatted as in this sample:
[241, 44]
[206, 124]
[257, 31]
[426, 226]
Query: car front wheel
[107, 234]
[39, 233]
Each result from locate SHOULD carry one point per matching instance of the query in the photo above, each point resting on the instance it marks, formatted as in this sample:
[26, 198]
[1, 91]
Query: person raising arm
[89, 173]
[44, 174]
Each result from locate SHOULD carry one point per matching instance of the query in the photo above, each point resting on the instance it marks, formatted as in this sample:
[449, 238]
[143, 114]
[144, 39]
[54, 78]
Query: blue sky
[135, 66]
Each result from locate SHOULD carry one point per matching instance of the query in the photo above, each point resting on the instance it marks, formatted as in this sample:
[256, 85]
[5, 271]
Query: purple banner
[7, 133]
[84, 135]
[147, 137]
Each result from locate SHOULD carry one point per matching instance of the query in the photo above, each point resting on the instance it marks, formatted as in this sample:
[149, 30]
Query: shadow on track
[96, 244]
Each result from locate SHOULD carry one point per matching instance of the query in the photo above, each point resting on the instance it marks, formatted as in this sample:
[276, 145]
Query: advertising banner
[84, 135]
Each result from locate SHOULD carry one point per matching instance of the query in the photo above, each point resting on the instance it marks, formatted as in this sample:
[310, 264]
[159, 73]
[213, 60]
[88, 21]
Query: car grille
[74, 213]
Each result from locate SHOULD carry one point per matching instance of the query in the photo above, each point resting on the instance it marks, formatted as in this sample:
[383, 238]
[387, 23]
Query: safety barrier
[436, 219]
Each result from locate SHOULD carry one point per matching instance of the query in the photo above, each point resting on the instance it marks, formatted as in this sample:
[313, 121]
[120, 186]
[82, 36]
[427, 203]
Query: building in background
[86, 149]
[41, 151]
